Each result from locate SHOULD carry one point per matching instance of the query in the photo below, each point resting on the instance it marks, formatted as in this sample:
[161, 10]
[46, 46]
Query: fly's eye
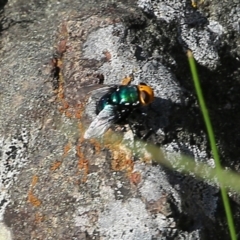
[146, 94]
[145, 98]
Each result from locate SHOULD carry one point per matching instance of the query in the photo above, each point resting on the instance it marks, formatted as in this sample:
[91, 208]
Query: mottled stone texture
[56, 185]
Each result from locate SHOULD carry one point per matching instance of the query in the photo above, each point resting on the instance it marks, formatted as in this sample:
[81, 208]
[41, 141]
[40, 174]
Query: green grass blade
[213, 145]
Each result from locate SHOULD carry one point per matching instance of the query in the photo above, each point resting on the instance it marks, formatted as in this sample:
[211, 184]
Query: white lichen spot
[13, 158]
[5, 233]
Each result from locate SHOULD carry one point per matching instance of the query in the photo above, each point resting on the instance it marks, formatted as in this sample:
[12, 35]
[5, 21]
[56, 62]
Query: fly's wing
[90, 92]
[102, 122]
[96, 94]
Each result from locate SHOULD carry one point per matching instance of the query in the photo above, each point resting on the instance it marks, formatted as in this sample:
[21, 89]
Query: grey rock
[56, 185]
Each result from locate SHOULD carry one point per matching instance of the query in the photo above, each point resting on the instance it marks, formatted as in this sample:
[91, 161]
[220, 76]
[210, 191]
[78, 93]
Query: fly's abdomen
[121, 96]
[125, 95]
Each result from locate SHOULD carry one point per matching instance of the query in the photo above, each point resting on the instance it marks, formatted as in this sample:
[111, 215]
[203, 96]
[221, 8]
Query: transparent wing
[97, 91]
[94, 94]
[102, 122]
[89, 93]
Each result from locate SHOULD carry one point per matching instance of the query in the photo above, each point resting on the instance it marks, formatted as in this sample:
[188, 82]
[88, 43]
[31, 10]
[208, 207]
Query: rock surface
[57, 185]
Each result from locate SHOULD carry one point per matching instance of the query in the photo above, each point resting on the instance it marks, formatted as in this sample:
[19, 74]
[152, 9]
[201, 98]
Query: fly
[114, 104]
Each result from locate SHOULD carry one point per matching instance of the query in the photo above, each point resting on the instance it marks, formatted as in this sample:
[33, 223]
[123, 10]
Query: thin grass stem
[212, 141]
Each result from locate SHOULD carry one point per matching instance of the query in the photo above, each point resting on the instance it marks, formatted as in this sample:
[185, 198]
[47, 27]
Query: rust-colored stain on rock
[34, 181]
[97, 145]
[121, 160]
[66, 149]
[31, 197]
[135, 178]
[58, 163]
[39, 218]
[82, 163]
[79, 111]
[55, 165]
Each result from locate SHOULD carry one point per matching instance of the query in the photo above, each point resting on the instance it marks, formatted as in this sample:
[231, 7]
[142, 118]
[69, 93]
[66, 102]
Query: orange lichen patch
[76, 111]
[55, 165]
[82, 163]
[66, 149]
[68, 114]
[38, 218]
[122, 156]
[135, 178]
[127, 80]
[81, 129]
[33, 200]
[65, 104]
[79, 111]
[122, 161]
[34, 181]
[60, 91]
[108, 55]
[96, 145]
[64, 108]
[58, 63]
